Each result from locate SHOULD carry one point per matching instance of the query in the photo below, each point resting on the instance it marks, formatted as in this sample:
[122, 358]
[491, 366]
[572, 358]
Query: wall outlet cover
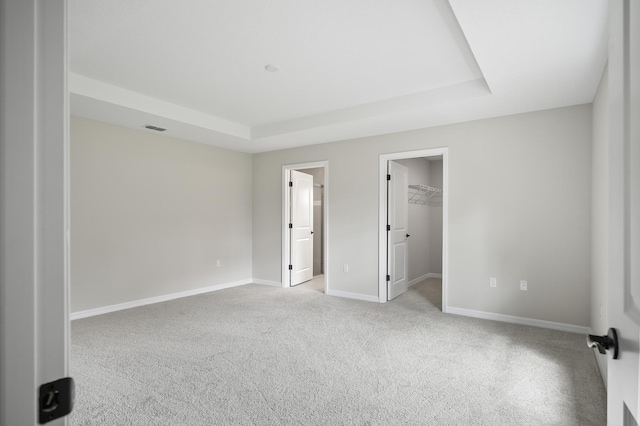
[523, 285]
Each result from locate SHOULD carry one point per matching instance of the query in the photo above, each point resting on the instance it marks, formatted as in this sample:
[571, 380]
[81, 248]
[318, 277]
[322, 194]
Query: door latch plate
[56, 399]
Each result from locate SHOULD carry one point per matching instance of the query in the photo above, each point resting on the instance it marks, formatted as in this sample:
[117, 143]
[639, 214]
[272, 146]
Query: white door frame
[382, 238]
[34, 221]
[286, 241]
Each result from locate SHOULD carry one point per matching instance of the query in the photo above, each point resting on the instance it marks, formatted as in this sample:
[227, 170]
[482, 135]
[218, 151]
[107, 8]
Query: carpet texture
[258, 355]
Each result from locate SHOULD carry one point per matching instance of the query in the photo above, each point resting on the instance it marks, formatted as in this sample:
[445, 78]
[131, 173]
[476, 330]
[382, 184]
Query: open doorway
[413, 225]
[304, 225]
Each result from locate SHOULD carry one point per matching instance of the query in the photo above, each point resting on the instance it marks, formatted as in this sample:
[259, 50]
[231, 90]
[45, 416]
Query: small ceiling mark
[272, 68]
[156, 128]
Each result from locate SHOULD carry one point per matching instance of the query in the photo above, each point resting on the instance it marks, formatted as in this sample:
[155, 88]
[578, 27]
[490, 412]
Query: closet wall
[425, 221]
[318, 199]
[435, 218]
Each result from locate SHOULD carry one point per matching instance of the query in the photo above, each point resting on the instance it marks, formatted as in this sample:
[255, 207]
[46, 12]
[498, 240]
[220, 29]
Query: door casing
[286, 202]
[382, 227]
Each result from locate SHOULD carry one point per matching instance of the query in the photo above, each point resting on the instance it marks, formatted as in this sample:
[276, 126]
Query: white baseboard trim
[417, 280]
[266, 282]
[156, 299]
[519, 320]
[356, 296]
[424, 277]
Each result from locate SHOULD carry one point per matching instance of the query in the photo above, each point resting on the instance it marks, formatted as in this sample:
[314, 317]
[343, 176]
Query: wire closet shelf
[425, 195]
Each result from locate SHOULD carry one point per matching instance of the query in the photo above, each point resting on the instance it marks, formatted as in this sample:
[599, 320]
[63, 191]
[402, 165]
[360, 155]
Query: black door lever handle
[605, 343]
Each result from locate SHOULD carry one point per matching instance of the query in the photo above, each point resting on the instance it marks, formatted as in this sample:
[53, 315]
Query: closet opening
[413, 226]
[304, 214]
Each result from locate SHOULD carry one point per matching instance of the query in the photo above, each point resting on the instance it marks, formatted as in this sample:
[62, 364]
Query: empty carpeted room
[320, 213]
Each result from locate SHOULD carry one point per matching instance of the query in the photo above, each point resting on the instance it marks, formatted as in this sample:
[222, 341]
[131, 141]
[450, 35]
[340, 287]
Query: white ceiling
[347, 69]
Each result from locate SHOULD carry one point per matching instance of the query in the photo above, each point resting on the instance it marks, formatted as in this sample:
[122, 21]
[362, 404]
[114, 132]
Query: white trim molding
[417, 280]
[266, 282]
[356, 296]
[424, 277]
[579, 329]
[156, 299]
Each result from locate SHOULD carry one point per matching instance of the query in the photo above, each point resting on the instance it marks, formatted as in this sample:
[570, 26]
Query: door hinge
[56, 399]
[388, 177]
[290, 183]
[388, 227]
[290, 267]
[388, 277]
[291, 226]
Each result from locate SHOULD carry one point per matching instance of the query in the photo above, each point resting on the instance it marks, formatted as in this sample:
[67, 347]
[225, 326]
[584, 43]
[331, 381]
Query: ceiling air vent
[156, 128]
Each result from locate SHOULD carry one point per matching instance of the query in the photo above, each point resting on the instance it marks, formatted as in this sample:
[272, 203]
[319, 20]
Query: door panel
[399, 260]
[624, 219]
[302, 227]
[398, 211]
[34, 324]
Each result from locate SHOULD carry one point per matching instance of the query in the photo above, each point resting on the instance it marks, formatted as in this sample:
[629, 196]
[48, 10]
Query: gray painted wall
[600, 216]
[150, 215]
[519, 208]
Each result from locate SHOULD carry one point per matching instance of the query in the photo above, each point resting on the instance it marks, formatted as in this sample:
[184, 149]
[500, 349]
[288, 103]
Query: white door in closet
[301, 227]
[398, 214]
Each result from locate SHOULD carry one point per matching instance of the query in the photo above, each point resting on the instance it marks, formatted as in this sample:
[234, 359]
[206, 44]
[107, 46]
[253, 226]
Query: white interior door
[624, 221]
[398, 214]
[34, 319]
[301, 227]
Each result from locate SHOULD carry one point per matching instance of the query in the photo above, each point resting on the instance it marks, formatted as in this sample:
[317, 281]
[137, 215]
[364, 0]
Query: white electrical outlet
[523, 285]
[493, 282]
[346, 268]
[218, 263]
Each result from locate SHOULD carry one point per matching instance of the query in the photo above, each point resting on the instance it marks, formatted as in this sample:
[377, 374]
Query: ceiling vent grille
[156, 128]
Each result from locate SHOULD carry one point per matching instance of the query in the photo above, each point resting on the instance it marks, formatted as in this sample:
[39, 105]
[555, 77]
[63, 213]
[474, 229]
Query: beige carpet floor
[258, 355]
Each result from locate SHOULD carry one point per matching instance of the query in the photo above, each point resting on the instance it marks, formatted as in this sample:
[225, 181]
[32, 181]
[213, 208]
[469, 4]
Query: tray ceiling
[345, 68]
